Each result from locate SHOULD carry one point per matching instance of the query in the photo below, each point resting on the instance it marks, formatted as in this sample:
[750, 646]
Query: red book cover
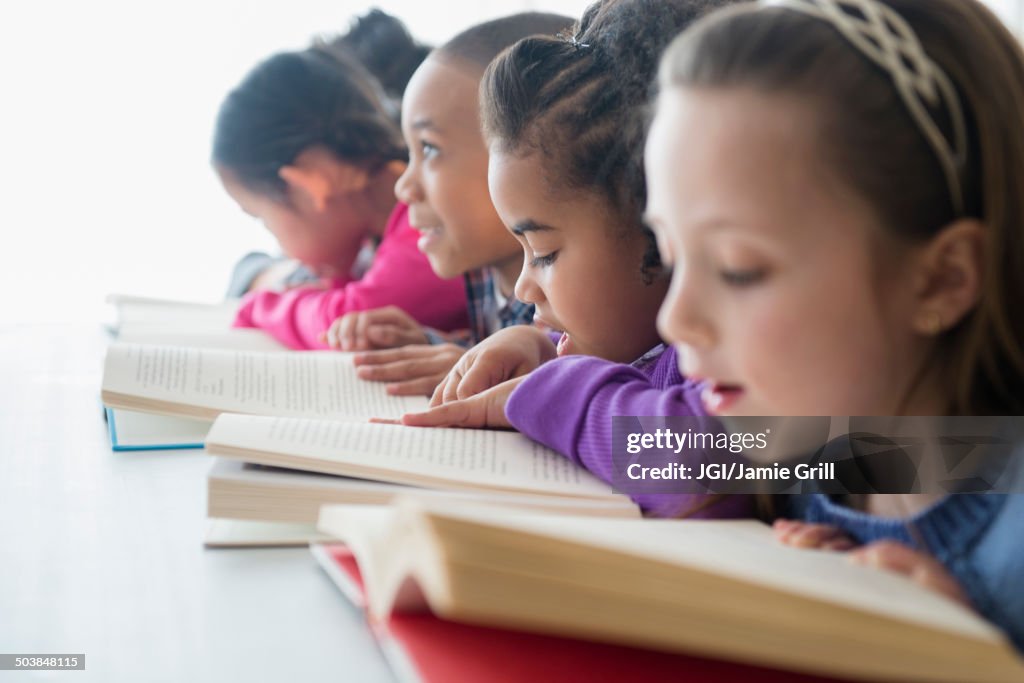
[422, 647]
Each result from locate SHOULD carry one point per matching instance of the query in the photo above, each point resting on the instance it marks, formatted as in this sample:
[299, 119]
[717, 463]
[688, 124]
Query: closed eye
[544, 261]
[742, 278]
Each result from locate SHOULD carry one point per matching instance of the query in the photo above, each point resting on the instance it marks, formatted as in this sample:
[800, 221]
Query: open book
[477, 460]
[203, 383]
[240, 490]
[143, 320]
[721, 589]
[423, 648]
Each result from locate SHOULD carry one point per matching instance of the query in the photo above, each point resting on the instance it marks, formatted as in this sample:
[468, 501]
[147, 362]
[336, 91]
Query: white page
[237, 339]
[185, 315]
[241, 533]
[471, 457]
[306, 383]
[134, 429]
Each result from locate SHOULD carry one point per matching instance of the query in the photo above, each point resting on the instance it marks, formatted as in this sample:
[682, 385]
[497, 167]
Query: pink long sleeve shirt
[400, 276]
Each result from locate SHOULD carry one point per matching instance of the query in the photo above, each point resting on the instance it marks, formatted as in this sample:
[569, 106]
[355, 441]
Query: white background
[106, 112]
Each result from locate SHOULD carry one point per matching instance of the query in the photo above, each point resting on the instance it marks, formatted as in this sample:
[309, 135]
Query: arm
[400, 276]
[568, 405]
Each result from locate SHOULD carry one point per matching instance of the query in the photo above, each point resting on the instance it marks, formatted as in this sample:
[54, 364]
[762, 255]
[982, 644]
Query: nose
[682, 318]
[527, 290]
[407, 188]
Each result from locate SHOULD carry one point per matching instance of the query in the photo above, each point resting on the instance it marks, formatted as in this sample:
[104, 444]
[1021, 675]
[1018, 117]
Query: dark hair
[877, 148]
[482, 43]
[382, 44]
[297, 100]
[580, 100]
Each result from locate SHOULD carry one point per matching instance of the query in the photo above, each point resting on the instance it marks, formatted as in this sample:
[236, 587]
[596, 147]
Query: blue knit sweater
[978, 537]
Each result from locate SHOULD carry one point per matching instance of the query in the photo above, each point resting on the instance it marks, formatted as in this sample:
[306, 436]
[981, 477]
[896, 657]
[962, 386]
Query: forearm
[568, 405]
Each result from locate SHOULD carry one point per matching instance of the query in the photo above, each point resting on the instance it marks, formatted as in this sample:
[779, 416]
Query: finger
[803, 535]
[385, 421]
[345, 329]
[919, 567]
[362, 342]
[437, 398]
[402, 370]
[480, 376]
[384, 356]
[451, 387]
[421, 386]
[888, 555]
[457, 414]
[386, 336]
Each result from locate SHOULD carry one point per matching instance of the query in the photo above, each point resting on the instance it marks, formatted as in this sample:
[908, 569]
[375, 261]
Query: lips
[718, 398]
[428, 237]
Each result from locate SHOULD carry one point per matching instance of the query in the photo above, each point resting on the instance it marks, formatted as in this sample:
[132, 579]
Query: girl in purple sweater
[591, 267]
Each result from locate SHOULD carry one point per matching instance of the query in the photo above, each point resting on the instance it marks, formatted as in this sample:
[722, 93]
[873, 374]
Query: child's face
[581, 272]
[786, 294]
[325, 241]
[445, 184]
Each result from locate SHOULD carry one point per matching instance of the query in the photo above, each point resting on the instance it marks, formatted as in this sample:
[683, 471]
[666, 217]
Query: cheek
[812, 353]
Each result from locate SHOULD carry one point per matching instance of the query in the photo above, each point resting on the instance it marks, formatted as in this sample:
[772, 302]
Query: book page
[244, 533]
[130, 429]
[477, 458]
[186, 316]
[307, 383]
[240, 339]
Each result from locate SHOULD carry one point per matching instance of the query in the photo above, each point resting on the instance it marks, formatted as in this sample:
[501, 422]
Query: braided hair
[580, 98]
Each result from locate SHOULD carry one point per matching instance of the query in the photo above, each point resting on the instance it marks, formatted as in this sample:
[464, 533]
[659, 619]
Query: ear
[310, 185]
[949, 281]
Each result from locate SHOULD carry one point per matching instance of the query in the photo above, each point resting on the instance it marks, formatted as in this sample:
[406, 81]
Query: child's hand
[806, 535]
[512, 352]
[381, 328]
[410, 370]
[486, 409]
[919, 567]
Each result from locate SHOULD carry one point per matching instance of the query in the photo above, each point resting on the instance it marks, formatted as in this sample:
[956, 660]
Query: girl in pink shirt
[307, 145]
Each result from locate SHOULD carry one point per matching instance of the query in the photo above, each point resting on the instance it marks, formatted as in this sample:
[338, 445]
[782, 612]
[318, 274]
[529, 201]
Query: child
[591, 266]
[445, 186]
[383, 46]
[838, 187]
[306, 145]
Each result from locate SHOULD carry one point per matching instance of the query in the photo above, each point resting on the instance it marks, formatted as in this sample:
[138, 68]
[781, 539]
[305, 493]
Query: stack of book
[291, 432]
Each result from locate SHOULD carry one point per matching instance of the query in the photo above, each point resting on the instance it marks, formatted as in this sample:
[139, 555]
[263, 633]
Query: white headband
[887, 39]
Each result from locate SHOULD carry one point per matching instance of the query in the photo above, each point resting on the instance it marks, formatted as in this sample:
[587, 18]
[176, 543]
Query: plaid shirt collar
[483, 306]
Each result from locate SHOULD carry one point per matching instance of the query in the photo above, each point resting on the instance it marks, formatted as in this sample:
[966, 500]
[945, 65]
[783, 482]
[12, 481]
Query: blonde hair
[875, 145]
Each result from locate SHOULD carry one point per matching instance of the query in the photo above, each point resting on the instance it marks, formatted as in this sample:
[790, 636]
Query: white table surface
[101, 552]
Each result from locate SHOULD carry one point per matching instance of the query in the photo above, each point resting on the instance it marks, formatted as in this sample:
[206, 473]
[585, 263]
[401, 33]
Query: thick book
[242, 490]
[716, 589]
[427, 649]
[476, 460]
[133, 431]
[202, 383]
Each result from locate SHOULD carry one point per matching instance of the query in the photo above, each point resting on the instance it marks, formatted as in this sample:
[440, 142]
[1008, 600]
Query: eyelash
[742, 278]
[429, 150]
[544, 261]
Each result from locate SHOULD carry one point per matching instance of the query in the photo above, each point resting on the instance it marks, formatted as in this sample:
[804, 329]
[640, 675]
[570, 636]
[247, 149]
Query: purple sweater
[567, 404]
